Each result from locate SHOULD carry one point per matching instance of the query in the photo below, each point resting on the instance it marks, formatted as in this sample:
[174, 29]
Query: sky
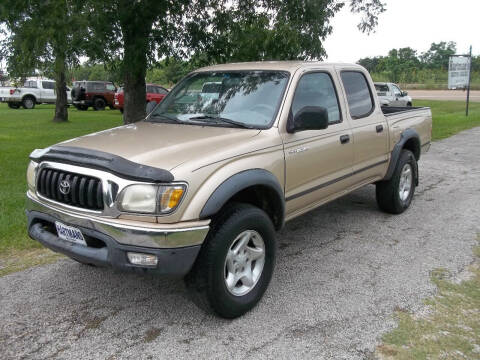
[413, 23]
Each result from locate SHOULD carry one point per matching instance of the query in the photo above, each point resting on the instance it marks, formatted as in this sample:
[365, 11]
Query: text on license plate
[69, 233]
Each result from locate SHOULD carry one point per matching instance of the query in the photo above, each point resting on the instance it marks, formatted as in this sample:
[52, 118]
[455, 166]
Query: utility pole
[469, 78]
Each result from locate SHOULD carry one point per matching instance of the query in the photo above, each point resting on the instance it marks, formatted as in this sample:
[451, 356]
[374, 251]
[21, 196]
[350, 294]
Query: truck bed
[415, 118]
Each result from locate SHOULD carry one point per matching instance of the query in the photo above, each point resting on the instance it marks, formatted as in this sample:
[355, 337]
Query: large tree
[133, 34]
[46, 36]
[438, 55]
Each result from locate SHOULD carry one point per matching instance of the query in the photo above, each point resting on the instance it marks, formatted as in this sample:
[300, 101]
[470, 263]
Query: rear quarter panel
[418, 119]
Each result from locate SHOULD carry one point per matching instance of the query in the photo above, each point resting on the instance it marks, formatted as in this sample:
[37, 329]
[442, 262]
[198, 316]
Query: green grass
[449, 116]
[21, 131]
[451, 330]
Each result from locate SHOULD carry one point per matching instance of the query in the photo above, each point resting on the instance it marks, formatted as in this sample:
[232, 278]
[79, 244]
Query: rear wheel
[99, 104]
[13, 105]
[81, 107]
[236, 262]
[28, 102]
[409, 104]
[395, 195]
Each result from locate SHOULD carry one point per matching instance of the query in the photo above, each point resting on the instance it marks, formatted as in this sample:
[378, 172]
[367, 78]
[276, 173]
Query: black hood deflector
[100, 160]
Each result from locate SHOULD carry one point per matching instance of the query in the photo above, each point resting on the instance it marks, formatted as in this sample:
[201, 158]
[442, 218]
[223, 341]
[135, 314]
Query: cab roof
[289, 66]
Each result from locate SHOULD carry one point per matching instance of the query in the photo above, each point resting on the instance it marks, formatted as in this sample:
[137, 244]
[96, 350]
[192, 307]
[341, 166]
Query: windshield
[237, 98]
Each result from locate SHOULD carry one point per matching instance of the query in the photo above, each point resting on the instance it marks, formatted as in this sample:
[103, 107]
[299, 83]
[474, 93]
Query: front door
[318, 162]
[48, 94]
[398, 98]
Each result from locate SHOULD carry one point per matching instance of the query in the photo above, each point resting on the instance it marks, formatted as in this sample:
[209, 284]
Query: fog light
[142, 259]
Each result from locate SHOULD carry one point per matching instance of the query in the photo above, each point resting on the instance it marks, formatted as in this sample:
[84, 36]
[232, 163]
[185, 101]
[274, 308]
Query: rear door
[369, 126]
[318, 162]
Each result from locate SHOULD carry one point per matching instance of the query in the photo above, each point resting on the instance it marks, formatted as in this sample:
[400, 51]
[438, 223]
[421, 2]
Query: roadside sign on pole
[458, 72]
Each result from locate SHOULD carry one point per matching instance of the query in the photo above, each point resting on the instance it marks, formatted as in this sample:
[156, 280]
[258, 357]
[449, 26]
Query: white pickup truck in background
[34, 91]
[391, 95]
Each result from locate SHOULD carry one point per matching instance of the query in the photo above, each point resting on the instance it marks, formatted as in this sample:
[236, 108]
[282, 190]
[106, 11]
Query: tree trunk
[135, 98]
[61, 103]
[134, 72]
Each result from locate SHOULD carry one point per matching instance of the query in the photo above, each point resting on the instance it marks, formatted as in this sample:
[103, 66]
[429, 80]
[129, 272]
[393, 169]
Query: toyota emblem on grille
[64, 187]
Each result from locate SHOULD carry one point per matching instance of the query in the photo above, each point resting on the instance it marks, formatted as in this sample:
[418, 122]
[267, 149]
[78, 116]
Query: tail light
[12, 91]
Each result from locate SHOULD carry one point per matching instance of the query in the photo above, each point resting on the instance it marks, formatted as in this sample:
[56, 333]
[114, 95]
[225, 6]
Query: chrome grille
[83, 191]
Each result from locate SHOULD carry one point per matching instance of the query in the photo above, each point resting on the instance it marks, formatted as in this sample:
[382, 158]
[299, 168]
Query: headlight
[32, 175]
[151, 199]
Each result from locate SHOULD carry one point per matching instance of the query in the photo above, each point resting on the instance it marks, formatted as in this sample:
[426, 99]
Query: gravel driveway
[342, 270]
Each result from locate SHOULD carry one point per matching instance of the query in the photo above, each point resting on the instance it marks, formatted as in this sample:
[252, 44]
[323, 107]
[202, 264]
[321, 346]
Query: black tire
[99, 104]
[121, 110]
[28, 102]
[409, 104]
[206, 280]
[388, 192]
[13, 105]
[82, 107]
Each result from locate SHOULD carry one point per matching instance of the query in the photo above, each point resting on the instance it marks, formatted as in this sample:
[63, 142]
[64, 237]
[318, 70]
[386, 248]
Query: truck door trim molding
[333, 181]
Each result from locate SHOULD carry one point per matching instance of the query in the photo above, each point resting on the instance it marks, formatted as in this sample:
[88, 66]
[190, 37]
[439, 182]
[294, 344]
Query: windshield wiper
[221, 119]
[166, 117]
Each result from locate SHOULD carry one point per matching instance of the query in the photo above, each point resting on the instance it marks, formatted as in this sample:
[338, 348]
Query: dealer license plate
[70, 233]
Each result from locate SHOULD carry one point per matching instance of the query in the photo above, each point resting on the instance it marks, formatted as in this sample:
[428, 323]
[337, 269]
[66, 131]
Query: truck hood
[164, 145]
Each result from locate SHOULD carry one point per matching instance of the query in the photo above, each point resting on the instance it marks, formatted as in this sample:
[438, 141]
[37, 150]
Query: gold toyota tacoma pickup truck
[199, 187]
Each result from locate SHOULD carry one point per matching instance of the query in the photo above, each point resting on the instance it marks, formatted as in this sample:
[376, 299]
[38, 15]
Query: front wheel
[395, 195]
[236, 262]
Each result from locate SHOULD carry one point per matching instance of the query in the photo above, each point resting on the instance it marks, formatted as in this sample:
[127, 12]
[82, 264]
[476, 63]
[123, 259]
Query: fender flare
[239, 182]
[397, 149]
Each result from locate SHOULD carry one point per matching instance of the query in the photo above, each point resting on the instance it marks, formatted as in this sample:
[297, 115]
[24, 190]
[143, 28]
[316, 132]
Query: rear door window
[110, 87]
[30, 84]
[359, 96]
[317, 89]
[151, 89]
[381, 88]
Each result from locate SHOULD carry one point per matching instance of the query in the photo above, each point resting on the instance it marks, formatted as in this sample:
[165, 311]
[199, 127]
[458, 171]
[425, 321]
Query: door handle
[379, 128]
[344, 139]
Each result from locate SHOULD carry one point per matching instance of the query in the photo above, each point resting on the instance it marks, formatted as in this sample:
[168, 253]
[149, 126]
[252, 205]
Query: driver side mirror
[404, 93]
[309, 118]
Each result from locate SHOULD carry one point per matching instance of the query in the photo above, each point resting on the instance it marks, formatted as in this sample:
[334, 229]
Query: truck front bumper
[176, 246]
